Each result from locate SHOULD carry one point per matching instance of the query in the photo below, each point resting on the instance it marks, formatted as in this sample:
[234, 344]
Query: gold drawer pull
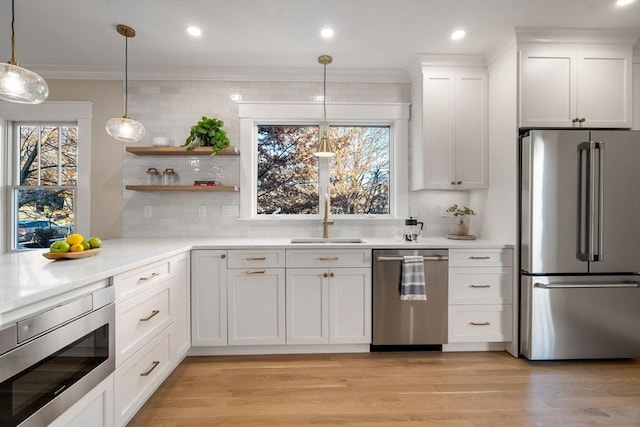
[154, 365]
[256, 258]
[149, 317]
[479, 257]
[479, 324]
[142, 279]
[328, 258]
[256, 271]
[480, 286]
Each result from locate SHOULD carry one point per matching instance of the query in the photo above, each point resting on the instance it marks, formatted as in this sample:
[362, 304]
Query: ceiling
[78, 37]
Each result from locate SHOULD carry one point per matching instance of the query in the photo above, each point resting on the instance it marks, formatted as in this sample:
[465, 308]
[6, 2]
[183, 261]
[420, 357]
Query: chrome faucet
[326, 222]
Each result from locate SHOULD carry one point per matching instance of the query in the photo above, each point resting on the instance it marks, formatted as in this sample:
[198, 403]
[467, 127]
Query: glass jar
[169, 176]
[153, 176]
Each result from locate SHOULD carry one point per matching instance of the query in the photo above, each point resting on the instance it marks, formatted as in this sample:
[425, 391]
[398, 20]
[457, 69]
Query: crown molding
[577, 35]
[338, 75]
[446, 60]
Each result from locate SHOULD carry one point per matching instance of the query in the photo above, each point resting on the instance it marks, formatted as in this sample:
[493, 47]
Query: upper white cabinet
[454, 147]
[576, 79]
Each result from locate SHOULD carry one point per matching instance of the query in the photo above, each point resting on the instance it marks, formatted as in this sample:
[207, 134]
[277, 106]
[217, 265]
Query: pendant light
[324, 146]
[123, 128]
[18, 84]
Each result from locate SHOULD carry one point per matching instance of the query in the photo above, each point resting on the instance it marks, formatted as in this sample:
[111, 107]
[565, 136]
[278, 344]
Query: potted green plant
[461, 213]
[207, 132]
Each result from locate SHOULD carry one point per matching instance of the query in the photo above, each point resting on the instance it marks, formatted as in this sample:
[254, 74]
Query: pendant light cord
[13, 34]
[324, 94]
[126, 77]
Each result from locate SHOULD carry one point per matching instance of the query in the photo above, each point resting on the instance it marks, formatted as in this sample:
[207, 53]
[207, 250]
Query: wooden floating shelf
[215, 188]
[180, 151]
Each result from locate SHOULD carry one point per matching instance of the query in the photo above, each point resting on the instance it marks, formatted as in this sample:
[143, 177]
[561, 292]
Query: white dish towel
[412, 283]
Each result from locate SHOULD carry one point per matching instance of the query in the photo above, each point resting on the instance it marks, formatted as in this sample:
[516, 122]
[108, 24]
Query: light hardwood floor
[396, 389]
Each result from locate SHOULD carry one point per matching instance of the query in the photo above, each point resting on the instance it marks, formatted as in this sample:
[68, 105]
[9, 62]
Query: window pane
[287, 170]
[29, 157]
[360, 170]
[44, 215]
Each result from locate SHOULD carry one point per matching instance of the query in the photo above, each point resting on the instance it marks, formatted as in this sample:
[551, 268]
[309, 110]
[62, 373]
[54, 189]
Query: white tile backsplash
[169, 109]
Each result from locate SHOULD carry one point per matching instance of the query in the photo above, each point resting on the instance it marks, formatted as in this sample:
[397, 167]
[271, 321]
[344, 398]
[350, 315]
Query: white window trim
[79, 112]
[253, 113]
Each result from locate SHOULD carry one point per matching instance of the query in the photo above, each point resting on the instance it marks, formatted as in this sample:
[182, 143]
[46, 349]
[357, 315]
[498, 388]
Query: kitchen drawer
[318, 258]
[255, 259]
[140, 279]
[480, 323]
[140, 318]
[480, 285]
[140, 376]
[480, 257]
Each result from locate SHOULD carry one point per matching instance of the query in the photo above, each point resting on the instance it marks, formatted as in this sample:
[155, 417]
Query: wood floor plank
[395, 389]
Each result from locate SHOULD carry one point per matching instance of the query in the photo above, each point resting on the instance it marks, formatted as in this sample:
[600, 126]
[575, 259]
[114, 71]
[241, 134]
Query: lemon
[77, 247]
[74, 239]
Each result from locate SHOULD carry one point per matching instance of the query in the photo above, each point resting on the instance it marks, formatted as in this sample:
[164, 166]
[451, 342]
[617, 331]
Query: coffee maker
[412, 229]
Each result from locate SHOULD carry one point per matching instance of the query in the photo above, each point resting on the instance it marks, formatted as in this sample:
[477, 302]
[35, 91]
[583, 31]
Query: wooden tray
[72, 255]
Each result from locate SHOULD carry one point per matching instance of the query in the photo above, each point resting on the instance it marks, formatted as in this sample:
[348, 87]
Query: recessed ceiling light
[458, 34]
[326, 33]
[194, 31]
[624, 2]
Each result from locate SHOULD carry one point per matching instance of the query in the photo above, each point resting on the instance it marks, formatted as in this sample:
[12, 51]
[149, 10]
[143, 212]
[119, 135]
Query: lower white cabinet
[256, 301]
[95, 409]
[480, 295]
[328, 306]
[208, 298]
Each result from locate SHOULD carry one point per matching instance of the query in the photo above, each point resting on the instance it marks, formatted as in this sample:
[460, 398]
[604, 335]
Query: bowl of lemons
[73, 247]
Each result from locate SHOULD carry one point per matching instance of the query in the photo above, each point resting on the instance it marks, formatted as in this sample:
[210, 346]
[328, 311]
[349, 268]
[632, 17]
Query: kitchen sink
[330, 240]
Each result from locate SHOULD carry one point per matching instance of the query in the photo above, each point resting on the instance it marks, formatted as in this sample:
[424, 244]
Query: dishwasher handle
[426, 258]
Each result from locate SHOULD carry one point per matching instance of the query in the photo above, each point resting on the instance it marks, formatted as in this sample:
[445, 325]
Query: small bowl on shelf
[160, 141]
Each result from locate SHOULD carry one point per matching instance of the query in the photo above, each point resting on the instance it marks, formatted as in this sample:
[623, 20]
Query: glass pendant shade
[20, 85]
[125, 129]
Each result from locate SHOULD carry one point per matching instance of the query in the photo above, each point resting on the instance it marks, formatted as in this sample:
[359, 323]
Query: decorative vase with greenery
[461, 213]
[208, 132]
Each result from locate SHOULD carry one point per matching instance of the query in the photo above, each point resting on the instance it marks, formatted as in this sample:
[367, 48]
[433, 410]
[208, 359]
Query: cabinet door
[256, 306]
[179, 301]
[208, 298]
[307, 306]
[604, 88]
[350, 305]
[547, 87]
[438, 127]
[95, 409]
[471, 148]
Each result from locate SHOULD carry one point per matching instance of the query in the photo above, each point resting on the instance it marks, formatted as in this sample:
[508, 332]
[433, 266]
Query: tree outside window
[44, 198]
[289, 175]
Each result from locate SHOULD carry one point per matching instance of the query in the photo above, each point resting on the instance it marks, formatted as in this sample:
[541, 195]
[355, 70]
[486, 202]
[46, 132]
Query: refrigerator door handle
[598, 200]
[583, 250]
[587, 285]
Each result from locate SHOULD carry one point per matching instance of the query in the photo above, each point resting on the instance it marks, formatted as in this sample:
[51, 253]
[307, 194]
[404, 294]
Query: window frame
[394, 115]
[78, 113]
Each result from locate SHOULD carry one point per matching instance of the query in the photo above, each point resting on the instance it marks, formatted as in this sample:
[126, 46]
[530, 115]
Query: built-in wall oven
[49, 360]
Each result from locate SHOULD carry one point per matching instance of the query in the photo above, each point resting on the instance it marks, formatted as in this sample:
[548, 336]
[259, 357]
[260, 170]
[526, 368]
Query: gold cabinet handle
[325, 275]
[479, 324]
[256, 271]
[479, 257]
[331, 275]
[256, 258]
[149, 317]
[480, 286]
[459, 182]
[328, 258]
[223, 256]
[154, 365]
[142, 279]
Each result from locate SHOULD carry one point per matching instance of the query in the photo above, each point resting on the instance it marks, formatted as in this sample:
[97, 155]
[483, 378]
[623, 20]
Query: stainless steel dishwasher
[409, 325]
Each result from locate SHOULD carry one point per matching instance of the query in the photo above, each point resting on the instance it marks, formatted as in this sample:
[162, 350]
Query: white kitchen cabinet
[208, 298]
[256, 297]
[454, 128]
[152, 332]
[480, 295]
[94, 409]
[575, 85]
[326, 302]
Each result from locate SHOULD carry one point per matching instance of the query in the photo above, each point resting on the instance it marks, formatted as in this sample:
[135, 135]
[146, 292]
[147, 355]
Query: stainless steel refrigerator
[579, 244]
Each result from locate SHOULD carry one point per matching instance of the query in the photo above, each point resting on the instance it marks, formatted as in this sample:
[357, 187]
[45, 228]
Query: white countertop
[27, 277]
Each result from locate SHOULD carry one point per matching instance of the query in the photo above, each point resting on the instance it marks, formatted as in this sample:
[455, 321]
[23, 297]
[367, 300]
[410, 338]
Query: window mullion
[39, 148]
